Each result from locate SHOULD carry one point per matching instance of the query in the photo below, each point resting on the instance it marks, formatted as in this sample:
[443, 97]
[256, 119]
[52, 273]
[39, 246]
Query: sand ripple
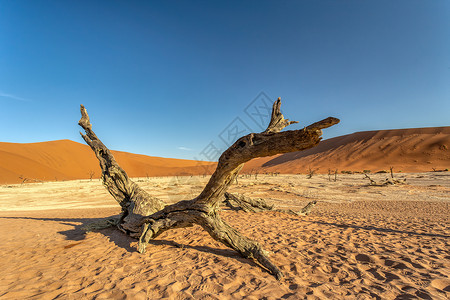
[356, 251]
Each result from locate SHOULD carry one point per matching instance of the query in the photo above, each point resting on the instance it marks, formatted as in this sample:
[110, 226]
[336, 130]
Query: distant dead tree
[331, 173]
[439, 170]
[145, 217]
[310, 173]
[24, 179]
[388, 181]
[91, 175]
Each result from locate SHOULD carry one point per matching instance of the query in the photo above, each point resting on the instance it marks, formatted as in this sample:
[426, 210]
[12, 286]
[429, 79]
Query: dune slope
[66, 160]
[407, 150]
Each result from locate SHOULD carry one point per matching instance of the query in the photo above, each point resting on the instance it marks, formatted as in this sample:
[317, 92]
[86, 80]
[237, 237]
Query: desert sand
[360, 242]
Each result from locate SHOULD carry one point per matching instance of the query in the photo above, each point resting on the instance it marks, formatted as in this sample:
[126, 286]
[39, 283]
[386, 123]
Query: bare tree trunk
[147, 217]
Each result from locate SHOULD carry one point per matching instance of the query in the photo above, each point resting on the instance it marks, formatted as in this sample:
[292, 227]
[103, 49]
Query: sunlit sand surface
[360, 241]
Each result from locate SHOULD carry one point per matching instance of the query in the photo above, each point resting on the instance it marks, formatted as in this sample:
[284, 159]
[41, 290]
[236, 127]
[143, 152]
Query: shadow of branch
[120, 239]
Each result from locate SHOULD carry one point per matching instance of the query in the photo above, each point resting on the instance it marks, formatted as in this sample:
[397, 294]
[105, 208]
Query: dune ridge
[407, 150]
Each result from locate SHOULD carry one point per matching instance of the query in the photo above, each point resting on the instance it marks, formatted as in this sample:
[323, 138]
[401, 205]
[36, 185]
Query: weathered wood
[277, 121]
[239, 201]
[147, 217]
[387, 182]
[135, 202]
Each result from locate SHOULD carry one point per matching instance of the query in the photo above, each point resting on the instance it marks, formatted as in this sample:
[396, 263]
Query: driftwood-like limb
[238, 201]
[372, 182]
[388, 181]
[307, 209]
[135, 202]
[101, 224]
[146, 217]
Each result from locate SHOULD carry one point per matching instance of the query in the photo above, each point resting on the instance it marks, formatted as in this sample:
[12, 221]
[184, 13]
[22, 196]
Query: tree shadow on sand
[120, 239]
[380, 229]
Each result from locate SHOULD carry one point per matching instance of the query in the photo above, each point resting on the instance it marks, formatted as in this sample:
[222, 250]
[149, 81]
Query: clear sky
[168, 78]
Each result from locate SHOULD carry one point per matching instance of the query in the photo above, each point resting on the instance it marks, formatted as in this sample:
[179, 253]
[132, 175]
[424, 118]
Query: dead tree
[24, 179]
[387, 182]
[310, 173]
[145, 217]
[91, 175]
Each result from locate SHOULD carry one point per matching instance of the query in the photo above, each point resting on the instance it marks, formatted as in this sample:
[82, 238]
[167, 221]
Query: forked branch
[277, 121]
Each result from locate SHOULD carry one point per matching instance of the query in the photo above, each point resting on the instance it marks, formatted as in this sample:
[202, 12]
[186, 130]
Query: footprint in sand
[414, 264]
[376, 274]
[389, 276]
[441, 284]
[423, 295]
[363, 258]
[395, 264]
[420, 282]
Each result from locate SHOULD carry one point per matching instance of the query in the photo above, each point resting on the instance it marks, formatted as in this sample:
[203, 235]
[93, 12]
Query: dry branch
[238, 202]
[147, 217]
[388, 181]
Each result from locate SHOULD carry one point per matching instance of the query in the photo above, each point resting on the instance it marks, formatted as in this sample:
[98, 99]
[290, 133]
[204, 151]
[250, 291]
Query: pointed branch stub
[277, 121]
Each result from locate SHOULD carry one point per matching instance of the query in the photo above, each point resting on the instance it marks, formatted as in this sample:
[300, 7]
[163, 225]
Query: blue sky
[169, 78]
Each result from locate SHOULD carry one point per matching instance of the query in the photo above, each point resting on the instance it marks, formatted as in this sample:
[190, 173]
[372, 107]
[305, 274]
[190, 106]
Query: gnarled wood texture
[146, 217]
[238, 202]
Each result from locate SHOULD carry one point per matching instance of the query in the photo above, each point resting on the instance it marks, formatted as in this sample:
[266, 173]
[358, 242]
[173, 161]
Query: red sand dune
[66, 160]
[407, 150]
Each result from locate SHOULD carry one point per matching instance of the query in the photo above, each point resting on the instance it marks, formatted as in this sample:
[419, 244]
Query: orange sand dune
[66, 160]
[407, 150]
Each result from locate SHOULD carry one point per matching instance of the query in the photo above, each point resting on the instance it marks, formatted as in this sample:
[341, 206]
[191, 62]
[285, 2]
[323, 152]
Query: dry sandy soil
[360, 242]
